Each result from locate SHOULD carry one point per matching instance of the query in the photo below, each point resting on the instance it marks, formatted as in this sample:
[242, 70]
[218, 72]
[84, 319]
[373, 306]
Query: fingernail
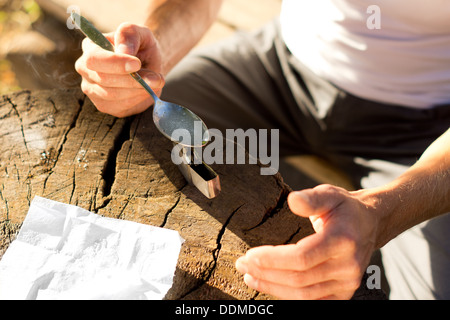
[132, 66]
[250, 281]
[241, 266]
[156, 79]
[301, 195]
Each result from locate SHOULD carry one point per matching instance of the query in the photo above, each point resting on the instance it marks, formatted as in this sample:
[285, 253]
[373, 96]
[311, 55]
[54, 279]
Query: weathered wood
[55, 144]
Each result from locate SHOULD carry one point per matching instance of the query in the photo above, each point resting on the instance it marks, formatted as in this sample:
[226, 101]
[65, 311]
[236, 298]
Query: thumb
[127, 39]
[317, 204]
[154, 79]
[300, 204]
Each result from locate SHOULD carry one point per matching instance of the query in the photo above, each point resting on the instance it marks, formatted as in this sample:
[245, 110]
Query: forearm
[179, 25]
[421, 193]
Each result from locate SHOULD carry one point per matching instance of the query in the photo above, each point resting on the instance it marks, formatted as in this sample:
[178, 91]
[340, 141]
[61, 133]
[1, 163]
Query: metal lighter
[197, 172]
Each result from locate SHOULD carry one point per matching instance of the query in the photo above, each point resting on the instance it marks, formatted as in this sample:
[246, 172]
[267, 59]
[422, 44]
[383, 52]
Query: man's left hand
[326, 265]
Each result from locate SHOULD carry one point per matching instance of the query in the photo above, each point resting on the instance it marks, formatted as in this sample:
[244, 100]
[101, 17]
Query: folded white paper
[65, 252]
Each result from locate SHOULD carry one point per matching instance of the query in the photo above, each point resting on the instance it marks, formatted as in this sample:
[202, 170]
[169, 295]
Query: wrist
[385, 204]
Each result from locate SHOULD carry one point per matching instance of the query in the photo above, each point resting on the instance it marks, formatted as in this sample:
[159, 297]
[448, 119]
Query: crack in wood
[271, 212]
[288, 241]
[5, 201]
[110, 167]
[166, 216]
[207, 274]
[220, 235]
[16, 111]
[71, 126]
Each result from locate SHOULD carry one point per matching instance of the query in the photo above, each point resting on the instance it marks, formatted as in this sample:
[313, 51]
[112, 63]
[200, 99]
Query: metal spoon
[167, 116]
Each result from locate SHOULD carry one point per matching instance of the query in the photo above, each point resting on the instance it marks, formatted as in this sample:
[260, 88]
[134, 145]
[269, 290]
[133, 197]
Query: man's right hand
[105, 75]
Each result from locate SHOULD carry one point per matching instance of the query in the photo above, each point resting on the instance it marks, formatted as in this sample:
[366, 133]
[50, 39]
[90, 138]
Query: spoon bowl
[172, 118]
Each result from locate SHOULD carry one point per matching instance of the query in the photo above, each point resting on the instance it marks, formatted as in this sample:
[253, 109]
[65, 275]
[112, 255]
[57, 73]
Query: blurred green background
[15, 16]
[37, 51]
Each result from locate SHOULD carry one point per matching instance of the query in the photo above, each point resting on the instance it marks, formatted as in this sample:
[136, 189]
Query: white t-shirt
[406, 61]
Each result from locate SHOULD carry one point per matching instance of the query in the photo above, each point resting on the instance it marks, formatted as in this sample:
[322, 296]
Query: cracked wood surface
[55, 144]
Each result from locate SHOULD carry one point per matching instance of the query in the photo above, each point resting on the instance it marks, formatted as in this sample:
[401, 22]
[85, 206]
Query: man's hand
[172, 29]
[326, 265]
[105, 75]
[349, 226]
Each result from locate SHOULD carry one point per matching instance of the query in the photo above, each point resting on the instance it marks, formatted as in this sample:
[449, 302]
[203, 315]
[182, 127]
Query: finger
[116, 92]
[110, 80]
[317, 201]
[154, 80]
[318, 204]
[109, 62]
[136, 108]
[288, 278]
[105, 79]
[122, 108]
[125, 81]
[329, 270]
[307, 253]
[95, 90]
[334, 288]
[130, 38]
[101, 60]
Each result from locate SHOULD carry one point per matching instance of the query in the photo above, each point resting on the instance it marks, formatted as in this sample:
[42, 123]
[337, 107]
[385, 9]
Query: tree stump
[55, 144]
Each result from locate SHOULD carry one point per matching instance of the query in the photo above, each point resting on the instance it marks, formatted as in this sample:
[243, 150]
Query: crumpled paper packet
[65, 252]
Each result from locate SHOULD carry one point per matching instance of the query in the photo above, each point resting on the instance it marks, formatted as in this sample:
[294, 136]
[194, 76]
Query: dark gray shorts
[252, 81]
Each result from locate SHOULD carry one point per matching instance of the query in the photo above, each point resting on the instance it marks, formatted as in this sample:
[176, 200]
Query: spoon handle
[98, 38]
[144, 84]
